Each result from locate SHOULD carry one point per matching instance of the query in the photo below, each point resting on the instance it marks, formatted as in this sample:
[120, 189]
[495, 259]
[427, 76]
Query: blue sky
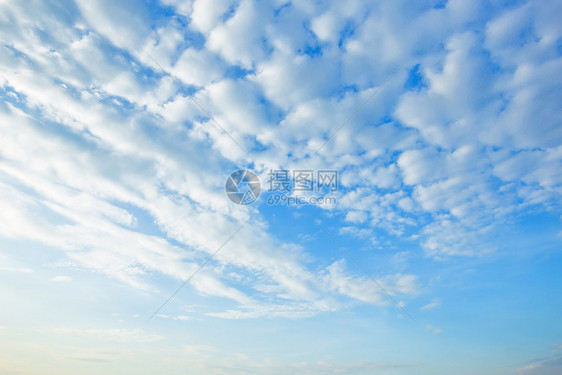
[120, 123]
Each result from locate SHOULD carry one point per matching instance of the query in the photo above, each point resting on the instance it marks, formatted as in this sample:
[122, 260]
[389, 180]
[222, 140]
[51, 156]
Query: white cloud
[207, 14]
[433, 330]
[124, 23]
[356, 216]
[240, 39]
[272, 311]
[10, 265]
[431, 305]
[549, 365]
[198, 68]
[364, 289]
[61, 279]
[120, 335]
[110, 169]
[117, 142]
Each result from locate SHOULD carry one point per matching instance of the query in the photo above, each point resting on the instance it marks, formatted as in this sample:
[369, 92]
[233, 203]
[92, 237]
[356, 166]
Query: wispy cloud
[433, 330]
[121, 335]
[431, 305]
[110, 169]
[61, 279]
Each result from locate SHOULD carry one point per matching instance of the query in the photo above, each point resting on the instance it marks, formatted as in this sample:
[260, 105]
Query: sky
[438, 251]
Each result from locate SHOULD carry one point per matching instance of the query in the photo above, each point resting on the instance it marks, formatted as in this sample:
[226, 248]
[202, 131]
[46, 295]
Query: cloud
[240, 39]
[9, 265]
[120, 335]
[431, 305]
[175, 317]
[548, 366]
[447, 118]
[207, 14]
[125, 24]
[61, 279]
[433, 330]
[99, 144]
[272, 311]
[364, 289]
